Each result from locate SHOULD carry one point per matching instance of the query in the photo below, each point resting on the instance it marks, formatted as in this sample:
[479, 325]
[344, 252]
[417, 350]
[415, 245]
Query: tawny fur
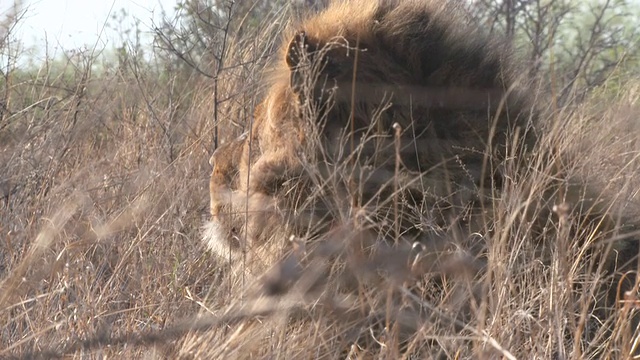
[420, 141]
[453, 95]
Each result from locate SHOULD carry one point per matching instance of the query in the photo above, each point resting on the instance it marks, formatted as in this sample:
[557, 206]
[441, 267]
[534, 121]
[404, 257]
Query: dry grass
[104, 191]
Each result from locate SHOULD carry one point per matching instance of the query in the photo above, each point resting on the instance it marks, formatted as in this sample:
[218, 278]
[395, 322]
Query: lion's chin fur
[227, 249]
[213, 236]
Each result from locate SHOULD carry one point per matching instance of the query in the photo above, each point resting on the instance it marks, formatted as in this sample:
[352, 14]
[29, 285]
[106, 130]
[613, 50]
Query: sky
[70, 24]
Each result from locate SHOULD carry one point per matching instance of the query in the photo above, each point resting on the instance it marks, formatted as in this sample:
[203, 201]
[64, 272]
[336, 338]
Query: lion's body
[435, 131]
[415, 65]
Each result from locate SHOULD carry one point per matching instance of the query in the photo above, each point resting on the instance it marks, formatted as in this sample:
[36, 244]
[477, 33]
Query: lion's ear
[300, 48]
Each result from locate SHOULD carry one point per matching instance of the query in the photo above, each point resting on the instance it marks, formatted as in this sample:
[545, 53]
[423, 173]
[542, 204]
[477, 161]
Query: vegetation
[104, 190]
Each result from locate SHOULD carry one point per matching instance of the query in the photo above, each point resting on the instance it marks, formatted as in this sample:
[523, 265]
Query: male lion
[451, 95]
[400, 118]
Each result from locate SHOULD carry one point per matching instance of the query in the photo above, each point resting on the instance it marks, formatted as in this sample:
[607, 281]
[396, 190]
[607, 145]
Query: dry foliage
[104, 192]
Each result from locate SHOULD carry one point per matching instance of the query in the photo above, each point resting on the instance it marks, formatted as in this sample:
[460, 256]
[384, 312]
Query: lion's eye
[332, 68]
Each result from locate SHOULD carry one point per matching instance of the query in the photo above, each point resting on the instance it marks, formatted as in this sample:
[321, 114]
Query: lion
[387, 47]
[398, 117]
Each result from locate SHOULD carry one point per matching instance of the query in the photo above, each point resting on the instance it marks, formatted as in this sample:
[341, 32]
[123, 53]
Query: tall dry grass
[104, 190]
